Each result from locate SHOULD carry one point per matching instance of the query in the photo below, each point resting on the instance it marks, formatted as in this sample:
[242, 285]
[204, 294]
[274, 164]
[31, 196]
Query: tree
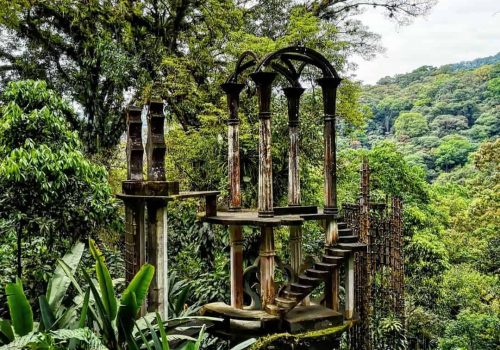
[453, 151]
[448, 124]
[409, 125]
[472, 331]
[98, 52]
[48, 189]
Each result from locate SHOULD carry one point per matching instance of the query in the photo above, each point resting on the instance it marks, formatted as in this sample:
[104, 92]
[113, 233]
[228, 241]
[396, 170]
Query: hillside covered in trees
[446, 122]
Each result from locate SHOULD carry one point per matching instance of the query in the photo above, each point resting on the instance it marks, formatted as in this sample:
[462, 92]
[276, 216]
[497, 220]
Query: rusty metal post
[264, 81]
[157, 210]
[233, 91]
[293, 95]
[364, 227]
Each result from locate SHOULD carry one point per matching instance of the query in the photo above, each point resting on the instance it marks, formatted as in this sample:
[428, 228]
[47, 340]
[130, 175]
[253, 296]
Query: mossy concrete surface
[325, 339]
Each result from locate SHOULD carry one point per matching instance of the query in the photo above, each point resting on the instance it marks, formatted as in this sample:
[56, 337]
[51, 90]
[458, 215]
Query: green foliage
[448, 124]
[452, 151]
[465, 288]
[409, 125]
[49, 190]
[20, 310]
[472, 330]
[389, 332]
[99, 52]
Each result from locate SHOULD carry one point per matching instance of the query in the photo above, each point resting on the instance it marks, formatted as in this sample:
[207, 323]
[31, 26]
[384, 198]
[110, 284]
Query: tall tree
[99, 52]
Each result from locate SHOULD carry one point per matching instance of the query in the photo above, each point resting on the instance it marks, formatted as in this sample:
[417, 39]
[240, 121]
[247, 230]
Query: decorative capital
[263, 78]
[232, 89]
[329, 82]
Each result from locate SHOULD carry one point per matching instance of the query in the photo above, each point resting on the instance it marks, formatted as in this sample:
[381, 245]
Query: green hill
[446, 121]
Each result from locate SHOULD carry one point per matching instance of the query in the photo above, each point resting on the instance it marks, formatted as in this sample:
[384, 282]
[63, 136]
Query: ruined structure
[362, 241]
[146, 201]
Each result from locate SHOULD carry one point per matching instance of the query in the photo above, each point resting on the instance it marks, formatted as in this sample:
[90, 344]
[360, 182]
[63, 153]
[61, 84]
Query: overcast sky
[454, 31]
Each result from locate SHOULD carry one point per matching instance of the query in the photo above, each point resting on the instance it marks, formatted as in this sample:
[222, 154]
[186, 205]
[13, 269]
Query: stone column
[349, 288]
[135, 249]
[233, 91]
[157, 210]
[264, 81]
[293, 95]
[266, 254]
[329, 88]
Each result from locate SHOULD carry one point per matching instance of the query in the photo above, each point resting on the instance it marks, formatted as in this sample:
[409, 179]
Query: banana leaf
[59, 282]
[48, 318]
[132, 299]
[104, 280]
[21, 314]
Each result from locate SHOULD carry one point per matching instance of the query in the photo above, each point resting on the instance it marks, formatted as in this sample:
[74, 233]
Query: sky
[454, 31]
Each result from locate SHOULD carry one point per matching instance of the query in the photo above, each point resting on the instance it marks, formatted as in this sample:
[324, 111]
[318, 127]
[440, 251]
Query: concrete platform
[312, 317]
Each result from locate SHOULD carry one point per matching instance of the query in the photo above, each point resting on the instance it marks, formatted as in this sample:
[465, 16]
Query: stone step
[353, 247]
[285, 302]
[312, 281]
[301, 288]
[316, 273]
[333, 259]
[341, 225]
[293, 295]
[345, 232]
[338, 252]
[324, 266]
[348, 239]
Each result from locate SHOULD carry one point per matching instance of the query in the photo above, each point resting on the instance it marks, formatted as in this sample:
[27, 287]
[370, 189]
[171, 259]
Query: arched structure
[289, 62]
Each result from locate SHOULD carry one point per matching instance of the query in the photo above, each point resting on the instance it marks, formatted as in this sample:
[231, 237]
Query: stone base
[308, 318]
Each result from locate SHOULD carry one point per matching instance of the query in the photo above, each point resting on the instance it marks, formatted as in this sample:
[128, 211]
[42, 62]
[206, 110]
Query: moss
[288, 338]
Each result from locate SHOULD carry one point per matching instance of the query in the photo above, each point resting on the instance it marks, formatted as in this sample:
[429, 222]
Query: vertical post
[157, 236]
[333, 281]
[157, 215]
[135, 248]
[264, 81]
[364, 205]
[233, 91]
[329, 87]
[349, 288]
[293, 95]
[266, 255]
[155, 146]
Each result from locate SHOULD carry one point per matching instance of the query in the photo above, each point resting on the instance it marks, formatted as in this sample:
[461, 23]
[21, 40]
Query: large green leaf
[131, 301]
[140, 283]
[20, 310]
[6, 332]
[104, 321]
[164, 340]
[59, 282]
[126, 319]
[104, 280]
[48, 318]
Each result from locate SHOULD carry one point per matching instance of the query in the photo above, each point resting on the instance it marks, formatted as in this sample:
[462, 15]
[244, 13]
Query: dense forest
[446, 122]
[68, 70]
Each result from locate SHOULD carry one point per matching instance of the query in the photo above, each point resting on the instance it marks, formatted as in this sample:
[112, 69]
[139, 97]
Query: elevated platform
[258, 322]
[169, 197]
[283, 216]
